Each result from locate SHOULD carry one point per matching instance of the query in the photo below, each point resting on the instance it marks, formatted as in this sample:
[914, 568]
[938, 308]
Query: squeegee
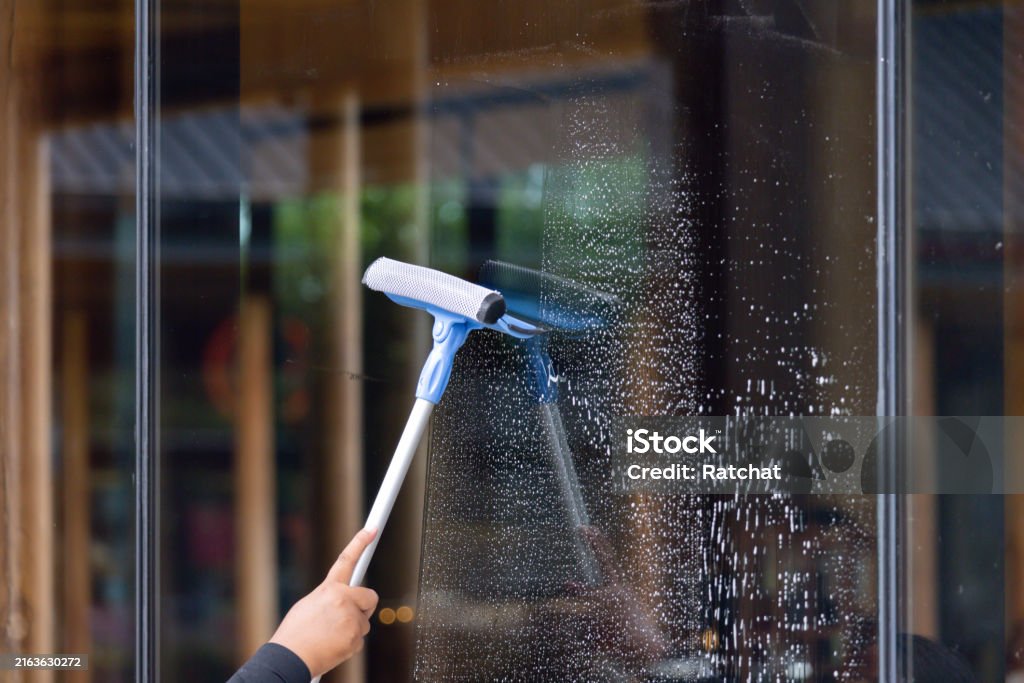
[459, 307]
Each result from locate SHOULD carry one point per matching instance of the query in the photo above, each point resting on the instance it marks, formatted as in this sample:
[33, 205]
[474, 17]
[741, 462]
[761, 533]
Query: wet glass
[712, 170]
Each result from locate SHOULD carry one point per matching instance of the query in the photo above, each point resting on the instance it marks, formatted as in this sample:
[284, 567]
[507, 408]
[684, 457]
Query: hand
[327, 626]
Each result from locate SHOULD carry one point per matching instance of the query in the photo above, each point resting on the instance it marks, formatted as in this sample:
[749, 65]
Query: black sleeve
[272, 663]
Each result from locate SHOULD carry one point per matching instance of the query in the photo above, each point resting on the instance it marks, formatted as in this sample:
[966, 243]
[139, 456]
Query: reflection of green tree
[449, 229]
[307, 230]
[597, 214]
[596, 207]
[521, 217]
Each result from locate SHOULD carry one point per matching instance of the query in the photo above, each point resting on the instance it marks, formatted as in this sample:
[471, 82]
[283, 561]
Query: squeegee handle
[389, 488]
[400, 461]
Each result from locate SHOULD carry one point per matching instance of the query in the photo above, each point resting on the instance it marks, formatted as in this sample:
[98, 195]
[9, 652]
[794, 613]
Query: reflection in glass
[67, 321]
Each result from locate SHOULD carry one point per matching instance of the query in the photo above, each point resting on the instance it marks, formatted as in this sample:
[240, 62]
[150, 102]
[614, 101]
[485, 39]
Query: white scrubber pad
[435, 288]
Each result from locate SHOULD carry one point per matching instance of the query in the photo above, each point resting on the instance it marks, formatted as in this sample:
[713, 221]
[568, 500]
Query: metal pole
[891, 264]
[147, 232]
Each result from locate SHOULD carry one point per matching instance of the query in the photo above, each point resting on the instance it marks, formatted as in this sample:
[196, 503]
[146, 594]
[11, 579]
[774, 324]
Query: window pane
[966, 180]
[708, 167]
[67, 331]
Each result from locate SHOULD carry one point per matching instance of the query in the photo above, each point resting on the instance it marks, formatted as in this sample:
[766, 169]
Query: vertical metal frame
[146, 339]
[891, 159]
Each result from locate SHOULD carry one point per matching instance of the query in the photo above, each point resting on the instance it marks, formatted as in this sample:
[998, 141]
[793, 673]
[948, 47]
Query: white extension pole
[392, 484]
[400, 461]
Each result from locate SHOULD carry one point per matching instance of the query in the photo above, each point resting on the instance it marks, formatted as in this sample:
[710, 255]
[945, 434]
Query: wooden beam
[409, 510]
[12, 627]
[922, 510]
[255, 489]
[35, 394]
[344, 464]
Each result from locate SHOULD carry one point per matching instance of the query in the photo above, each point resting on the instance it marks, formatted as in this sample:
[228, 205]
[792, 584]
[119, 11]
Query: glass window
[67, 331]
[709, 169]
[965, 177]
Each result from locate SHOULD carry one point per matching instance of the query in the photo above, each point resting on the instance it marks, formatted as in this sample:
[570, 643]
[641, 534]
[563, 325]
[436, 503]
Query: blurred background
[718, 154]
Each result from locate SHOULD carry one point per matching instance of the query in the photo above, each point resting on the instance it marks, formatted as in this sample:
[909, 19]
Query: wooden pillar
[12, 621]
[420, 162]
[37, 473]
[344, 464]
[255, 495]
[26, 491]
[922, 509]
